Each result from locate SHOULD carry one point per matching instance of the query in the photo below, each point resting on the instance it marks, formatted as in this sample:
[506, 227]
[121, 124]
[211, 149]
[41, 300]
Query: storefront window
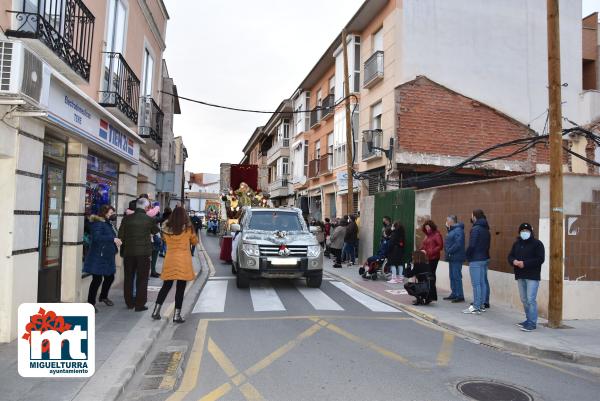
[101, 188]
[55, 149]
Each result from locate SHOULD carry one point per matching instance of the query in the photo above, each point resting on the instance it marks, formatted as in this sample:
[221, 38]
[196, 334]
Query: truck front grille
[273, 250]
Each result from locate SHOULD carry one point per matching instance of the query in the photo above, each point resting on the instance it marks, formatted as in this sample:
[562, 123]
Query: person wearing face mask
[432, 247]
[454, 249]
[526, 257]
[100, 259]
[478, 255]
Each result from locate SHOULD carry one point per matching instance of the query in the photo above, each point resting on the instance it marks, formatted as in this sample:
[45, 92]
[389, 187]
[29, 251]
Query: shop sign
[342, 181]
[74, 114]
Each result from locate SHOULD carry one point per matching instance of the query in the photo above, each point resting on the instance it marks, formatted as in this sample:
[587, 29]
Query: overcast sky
[250, 54]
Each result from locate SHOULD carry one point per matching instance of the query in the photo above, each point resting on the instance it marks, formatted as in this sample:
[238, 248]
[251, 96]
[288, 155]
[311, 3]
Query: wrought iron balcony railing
[313, 168]
[120, 86]
[65, 26]
[281, 182]
[373, 69]
[327, 106]
[315, 117]
[151, 120]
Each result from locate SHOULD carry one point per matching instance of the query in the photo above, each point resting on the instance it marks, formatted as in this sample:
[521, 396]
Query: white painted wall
[493, 51]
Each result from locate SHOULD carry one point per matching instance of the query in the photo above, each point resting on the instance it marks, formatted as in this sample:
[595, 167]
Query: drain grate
[486, 390]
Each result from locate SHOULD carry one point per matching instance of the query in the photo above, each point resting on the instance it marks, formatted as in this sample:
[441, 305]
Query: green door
[400, 206]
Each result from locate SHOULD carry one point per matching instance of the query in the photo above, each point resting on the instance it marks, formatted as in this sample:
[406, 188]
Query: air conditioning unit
[23, 75]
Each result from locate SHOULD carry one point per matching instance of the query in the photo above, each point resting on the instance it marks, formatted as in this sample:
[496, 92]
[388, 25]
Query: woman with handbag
[100, 259]
[179, 234]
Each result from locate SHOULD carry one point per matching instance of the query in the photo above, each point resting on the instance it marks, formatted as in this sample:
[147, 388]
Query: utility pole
[349, 141]
[556, 177]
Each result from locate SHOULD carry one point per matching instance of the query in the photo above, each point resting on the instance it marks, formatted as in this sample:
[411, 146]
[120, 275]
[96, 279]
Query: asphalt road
[280, 340]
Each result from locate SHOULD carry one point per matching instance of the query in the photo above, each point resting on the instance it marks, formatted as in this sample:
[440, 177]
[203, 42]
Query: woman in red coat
[432, 246]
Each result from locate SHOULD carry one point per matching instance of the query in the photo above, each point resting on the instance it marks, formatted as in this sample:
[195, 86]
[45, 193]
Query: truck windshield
[274, 221]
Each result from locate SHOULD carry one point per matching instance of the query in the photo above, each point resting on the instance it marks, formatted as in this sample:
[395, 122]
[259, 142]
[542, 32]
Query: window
[299, 119]
[307, 109]
[117, 18]
[317, 150]
[283, 167]
[148, 73]
[332, 86]
[376, 111]
[356, 73]
[378, 40]
[272, 221]
[319, 100]
[330, 151]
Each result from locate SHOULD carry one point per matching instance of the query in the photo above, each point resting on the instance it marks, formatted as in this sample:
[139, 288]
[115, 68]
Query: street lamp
[368, 138]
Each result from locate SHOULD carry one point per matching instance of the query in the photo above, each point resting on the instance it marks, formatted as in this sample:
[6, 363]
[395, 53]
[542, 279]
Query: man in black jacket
[350, 240]
[136, 231]
[527, 256]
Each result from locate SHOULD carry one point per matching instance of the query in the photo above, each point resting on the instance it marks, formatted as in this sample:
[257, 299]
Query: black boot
[156, 312]
[177, 317]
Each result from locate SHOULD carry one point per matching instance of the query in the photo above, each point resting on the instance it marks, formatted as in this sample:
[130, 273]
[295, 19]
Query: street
[280, 340]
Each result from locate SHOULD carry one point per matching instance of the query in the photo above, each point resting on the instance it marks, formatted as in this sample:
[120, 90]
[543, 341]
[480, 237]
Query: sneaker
[471, 310]
[486, 306]
[392, 280]
[522, 324]
[457, 300]
[449, 298]
[528, 327]
[483, 309]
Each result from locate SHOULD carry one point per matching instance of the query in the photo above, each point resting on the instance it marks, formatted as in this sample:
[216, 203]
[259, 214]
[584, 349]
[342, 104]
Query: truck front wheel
[314, 280]
[242, 280]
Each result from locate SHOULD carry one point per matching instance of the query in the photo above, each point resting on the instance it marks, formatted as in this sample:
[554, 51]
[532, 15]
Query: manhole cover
[483, 390]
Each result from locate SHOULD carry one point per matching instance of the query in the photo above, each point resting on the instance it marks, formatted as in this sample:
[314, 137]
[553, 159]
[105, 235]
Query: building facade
[431, 83]
[82, 126]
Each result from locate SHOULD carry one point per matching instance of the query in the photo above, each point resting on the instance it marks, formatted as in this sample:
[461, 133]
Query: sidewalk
[123, 339]
[496, 327]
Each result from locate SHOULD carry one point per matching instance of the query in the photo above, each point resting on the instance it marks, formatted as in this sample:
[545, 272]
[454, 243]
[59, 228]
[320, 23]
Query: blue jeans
[528, 291]
[456, 280]
[349, 252]
[477, 270]
[486, 298]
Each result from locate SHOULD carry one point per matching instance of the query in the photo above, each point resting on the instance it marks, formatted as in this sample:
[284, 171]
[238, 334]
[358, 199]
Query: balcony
[62, 31]
[314, 167]
[279, 149]
[279, 187]
[121, 88]
[151, 121]
[377, 142]
[327, 107]
[326, 164]
[373, 70]
[315, 115]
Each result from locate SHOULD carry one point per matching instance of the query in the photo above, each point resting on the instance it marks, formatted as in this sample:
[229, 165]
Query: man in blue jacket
[478, 255]
[527, 256]
[454, 248]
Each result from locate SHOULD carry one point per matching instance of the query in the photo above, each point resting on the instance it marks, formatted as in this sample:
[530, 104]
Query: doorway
[51, 224]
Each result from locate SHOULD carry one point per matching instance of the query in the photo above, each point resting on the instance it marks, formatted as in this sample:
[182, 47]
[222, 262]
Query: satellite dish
[303, 180]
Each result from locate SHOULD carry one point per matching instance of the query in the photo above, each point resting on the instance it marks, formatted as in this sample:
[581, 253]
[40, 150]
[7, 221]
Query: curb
[507, 345]
[147, 341]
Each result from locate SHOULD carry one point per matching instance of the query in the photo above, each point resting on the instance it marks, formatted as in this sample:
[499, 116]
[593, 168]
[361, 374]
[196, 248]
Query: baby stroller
[374, 268]
[420, 288]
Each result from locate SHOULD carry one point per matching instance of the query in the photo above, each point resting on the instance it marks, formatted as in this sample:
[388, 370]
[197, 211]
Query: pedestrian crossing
[264, 297]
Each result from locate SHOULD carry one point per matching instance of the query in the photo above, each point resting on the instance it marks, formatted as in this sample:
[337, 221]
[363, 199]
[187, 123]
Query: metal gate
[400, 206]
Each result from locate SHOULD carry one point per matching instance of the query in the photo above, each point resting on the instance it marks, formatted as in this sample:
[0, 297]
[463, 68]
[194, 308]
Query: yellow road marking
[250, 392]
[380, 350]
[192, 369]
[222, 359]
[313, 318]
[445, 354]
[217, 393]
[279, 352]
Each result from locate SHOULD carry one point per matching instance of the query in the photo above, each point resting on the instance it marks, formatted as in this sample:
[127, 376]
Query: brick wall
[433, 119]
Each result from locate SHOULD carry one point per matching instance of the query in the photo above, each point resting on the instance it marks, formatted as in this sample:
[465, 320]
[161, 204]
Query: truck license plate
[283, 261]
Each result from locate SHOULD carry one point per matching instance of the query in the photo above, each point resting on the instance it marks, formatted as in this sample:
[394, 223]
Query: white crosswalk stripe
[318, 299]
[367, 301]
[265, 299]
[212, 298]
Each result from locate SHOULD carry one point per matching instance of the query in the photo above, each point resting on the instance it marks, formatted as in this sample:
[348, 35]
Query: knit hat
[525, 226]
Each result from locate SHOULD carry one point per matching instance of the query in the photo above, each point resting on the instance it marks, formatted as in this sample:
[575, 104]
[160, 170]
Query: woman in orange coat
[179, 234]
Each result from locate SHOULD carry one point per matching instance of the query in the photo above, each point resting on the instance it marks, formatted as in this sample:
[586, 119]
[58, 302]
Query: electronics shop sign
[69, 111]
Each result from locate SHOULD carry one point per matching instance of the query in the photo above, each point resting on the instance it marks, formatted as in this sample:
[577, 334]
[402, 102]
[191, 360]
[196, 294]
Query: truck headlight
[313, 251]
[251, 249]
